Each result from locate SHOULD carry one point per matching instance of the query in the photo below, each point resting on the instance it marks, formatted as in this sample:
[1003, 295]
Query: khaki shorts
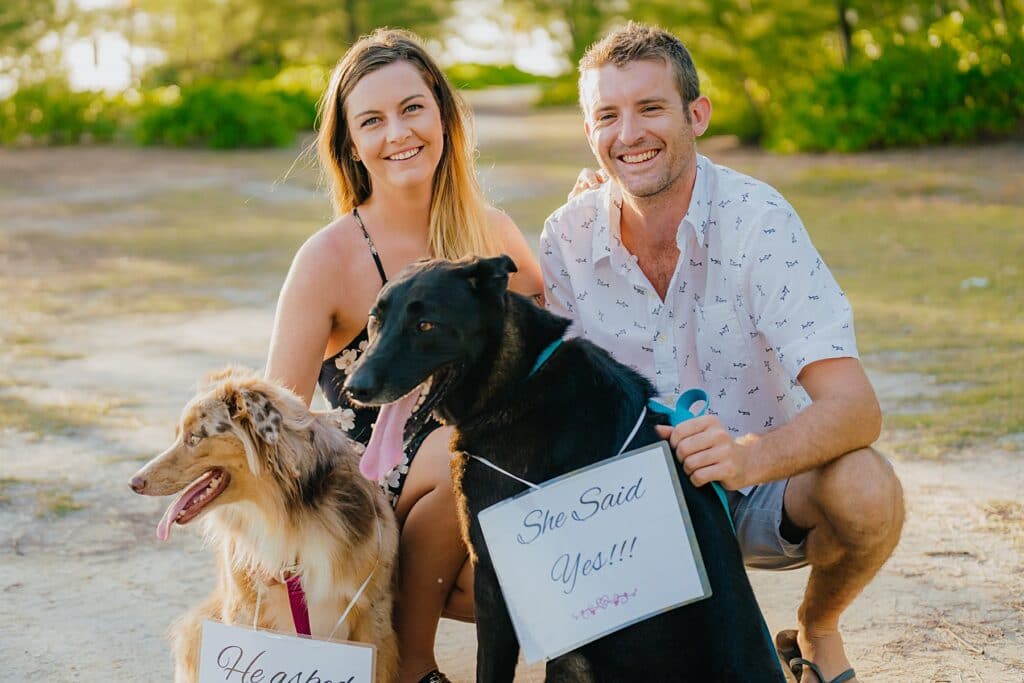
[757, 517]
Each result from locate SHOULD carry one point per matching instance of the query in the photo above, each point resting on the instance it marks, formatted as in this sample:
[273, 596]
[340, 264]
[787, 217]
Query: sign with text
[594, 551]
[243, 655]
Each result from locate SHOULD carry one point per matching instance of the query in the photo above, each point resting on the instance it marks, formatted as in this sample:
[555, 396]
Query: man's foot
[825, 649]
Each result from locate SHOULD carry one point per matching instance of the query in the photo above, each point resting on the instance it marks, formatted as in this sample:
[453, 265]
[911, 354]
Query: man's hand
[588, 179]
[708, 453]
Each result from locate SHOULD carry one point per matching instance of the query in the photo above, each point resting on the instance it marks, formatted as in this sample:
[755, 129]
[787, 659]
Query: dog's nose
[361, 385]
[138, 483]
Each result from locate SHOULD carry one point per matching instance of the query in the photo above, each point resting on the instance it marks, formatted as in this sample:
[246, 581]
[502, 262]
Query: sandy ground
[87, 595]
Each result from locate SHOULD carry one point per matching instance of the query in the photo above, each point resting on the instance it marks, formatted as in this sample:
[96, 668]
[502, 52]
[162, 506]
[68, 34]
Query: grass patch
[49, 501]
[54, 504]
[63, 419]
[902, 255]
[8, 485]
[1005, 517]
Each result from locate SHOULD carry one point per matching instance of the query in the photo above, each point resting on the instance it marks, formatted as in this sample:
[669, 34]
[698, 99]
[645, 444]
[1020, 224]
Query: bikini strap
[373, 248]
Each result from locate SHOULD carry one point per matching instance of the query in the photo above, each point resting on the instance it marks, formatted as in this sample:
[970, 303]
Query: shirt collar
[607, 241]
[698, 215]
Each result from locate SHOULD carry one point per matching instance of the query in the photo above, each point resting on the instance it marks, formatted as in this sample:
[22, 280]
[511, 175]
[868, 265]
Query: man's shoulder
[740, 205]
[730, 187]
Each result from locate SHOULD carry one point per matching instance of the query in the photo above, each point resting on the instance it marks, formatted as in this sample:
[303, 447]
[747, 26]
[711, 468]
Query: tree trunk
[845, 31]
[351, 21]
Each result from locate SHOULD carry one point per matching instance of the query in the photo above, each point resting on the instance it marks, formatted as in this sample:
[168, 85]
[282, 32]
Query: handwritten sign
[594, 551]
[231, 653]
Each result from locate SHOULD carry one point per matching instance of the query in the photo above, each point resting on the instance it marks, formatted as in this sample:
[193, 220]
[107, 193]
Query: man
[696, 275]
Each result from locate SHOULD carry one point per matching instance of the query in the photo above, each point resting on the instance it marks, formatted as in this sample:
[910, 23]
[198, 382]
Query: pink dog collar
[297, 600]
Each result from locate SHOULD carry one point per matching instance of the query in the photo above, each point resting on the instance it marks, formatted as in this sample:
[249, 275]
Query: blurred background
[844, 75]
[155, 182]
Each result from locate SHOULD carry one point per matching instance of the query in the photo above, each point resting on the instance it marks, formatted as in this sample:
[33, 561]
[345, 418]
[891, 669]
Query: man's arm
[802, 313]
[844, 415]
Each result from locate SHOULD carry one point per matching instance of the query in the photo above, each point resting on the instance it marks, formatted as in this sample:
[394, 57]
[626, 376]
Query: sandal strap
[797, 663]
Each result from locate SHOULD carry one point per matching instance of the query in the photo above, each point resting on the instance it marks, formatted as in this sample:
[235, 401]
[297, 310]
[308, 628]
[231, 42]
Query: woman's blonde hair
[458, 212]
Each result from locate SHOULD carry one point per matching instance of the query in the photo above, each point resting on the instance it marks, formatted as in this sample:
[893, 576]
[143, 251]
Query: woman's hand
[588, 179]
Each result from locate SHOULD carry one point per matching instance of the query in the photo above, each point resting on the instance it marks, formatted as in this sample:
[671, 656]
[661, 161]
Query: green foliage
[560, 92]
[911, 95]
[49, 113]
[478, 76]
[224, 115]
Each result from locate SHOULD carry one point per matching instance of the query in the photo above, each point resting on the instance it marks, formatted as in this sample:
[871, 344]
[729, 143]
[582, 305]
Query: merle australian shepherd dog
[455, 325]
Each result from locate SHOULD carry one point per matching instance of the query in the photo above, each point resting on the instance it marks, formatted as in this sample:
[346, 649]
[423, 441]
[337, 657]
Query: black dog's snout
[362, 385]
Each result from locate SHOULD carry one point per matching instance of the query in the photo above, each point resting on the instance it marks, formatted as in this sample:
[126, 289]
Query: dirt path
[86, 590]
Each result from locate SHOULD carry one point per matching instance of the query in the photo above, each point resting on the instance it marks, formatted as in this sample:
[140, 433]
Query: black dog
[457, 324]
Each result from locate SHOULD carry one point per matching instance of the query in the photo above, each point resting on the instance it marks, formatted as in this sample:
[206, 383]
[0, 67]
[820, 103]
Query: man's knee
[861, 497]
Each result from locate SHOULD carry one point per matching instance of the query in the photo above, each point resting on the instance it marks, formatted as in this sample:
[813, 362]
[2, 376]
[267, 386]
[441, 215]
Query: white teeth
[424, 392]
[408, 154]
[637, 158]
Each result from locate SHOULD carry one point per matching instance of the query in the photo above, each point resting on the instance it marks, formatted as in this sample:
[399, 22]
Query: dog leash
[297, 596]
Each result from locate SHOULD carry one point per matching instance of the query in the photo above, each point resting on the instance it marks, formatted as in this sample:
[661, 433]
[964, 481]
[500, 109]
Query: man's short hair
[635, 42]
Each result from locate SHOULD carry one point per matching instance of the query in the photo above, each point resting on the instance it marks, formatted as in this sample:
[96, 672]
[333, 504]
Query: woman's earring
[355, 157]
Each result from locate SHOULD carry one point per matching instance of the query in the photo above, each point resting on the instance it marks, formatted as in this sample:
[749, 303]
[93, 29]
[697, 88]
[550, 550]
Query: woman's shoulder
[528, 278]
[499, 221]
[334, 267]
[331, 248]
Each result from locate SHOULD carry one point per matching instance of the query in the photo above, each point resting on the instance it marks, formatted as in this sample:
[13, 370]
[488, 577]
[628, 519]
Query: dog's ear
[490, 273]
[259, 421]
[229, 372]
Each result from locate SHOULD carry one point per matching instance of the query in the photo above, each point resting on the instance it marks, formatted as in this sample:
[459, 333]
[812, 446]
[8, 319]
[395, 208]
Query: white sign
[594, 551]
[243, 655]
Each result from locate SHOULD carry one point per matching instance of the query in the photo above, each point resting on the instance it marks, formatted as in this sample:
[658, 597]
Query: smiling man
[696, 275]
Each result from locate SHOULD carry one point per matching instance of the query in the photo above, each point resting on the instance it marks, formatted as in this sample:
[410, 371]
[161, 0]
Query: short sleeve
[795, 302]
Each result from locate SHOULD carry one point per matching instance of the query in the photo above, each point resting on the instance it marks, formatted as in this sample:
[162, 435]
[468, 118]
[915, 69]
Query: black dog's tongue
[384, 452]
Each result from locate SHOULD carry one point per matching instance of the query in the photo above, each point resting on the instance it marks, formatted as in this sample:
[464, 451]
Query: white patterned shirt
[749, 306]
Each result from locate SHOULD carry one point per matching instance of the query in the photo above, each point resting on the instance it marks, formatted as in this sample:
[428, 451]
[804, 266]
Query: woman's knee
[429, 473]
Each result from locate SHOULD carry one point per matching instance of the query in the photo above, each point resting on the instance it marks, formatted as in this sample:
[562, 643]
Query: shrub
[50, 113]
[221, 115]
[559, 92]
[479, 76]
[912, 95]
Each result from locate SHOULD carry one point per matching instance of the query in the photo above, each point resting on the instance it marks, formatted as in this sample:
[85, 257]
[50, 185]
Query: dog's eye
[425, 326]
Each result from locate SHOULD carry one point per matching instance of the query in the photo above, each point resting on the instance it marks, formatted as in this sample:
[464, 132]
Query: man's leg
[853, 511]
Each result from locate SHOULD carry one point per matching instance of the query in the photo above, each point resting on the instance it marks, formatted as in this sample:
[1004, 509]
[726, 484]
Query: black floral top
[359, 421]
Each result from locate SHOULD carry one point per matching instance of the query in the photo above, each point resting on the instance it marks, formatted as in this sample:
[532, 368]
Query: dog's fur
[294, 502]
[577, 409]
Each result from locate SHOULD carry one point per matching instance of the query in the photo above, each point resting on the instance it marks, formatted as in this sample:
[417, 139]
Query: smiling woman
[396, 145]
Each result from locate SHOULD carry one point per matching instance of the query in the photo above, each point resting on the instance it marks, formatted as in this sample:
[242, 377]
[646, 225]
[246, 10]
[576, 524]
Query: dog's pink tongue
[163, 529]
[384, 451]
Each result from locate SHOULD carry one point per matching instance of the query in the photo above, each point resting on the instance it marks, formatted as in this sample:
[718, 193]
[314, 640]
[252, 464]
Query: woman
[395, 141]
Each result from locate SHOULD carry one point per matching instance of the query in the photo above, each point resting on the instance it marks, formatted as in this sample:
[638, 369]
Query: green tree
[22, 24]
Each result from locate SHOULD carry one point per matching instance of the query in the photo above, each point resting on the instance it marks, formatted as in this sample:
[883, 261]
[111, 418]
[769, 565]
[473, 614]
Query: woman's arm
[527, 280]
[304, 319]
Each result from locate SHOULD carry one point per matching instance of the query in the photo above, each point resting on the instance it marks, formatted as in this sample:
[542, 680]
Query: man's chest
[621, 311]
[658, 266]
